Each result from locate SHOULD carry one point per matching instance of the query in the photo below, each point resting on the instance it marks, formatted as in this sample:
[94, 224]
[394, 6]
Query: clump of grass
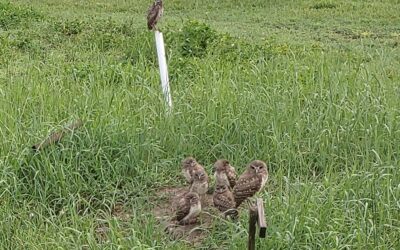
[68, 27]
[324, 116]
[195, 38]
[323, 5]
[12, 15]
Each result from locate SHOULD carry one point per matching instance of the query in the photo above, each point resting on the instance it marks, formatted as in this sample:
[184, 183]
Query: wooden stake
[257, 217]
[57, 136]
[162, 62]
[261, 218]
[251, 245]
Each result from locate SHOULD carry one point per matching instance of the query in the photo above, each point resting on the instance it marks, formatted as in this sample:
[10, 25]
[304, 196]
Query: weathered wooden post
[251, 245]
[257, 217]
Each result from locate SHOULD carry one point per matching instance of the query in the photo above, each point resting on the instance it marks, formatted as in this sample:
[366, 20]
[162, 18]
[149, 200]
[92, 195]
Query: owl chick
[223, 198]
[225, 173]
[200, 182]
[189, 166]
[188, 209]
[251, 181]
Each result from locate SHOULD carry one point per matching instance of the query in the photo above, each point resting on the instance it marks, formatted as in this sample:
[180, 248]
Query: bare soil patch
[165, 211]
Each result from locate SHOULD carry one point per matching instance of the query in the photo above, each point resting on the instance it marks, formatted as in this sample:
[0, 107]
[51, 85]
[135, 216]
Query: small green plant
[69, 28]
[196, 37]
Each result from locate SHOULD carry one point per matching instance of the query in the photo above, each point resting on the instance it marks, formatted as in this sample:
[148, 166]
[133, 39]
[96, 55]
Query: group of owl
[229, 191]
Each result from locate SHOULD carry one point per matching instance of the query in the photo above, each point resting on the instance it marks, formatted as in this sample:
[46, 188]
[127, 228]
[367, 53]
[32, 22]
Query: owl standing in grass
[188, 209]
[200, 182]
[154, 14]
[224, 201]
[225, 173]
[251, 181]
[189, 167]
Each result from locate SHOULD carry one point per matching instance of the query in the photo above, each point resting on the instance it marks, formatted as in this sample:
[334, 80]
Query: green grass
[311, 87]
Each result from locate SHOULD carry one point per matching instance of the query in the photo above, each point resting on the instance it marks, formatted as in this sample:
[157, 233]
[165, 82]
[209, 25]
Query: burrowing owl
[251, 181]
[188, 208]
[154, 14]
[223, 198]
[200, 182]
[189, 166]
[225, 173]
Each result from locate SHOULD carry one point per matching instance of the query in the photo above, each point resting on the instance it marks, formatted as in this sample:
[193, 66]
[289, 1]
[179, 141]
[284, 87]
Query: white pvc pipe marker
[162, 62]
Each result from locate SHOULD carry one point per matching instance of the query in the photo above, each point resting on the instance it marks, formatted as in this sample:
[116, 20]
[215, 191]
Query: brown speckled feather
[251, 181]
[154, 14]
[232, 176]
[182, 209]
[247, 185]
[225, 173]
[198, 168]
[188, 209]
[199, 182]
[189, 167]
[224, 201]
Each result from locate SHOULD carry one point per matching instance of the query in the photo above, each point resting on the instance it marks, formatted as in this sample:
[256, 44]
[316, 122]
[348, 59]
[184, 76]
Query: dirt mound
[165, 211]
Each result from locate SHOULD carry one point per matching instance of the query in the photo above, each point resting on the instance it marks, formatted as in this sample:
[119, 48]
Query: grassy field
[311, 87]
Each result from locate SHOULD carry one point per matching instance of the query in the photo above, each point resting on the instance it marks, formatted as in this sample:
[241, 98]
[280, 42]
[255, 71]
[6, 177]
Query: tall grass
[317, 99]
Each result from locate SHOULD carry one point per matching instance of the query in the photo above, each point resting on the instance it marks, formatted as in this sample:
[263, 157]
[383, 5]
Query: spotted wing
[182, 209]
[245, 187]
[223, 201]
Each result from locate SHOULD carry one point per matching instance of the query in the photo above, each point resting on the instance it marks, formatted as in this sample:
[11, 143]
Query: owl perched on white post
[154, 14]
